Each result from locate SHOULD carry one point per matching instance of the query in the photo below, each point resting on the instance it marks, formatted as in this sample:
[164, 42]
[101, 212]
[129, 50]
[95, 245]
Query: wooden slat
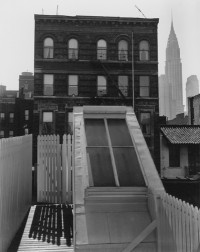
[148, 230]
[54, 169]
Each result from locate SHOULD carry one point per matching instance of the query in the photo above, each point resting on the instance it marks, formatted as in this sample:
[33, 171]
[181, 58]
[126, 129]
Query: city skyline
[17, 53]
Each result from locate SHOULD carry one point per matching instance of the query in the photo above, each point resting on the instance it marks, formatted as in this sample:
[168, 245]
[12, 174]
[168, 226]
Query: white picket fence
[179, 225]
[54, 169]
[15, 185]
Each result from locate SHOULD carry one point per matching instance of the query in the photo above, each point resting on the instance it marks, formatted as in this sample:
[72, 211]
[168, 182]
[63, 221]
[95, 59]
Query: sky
[17, 29]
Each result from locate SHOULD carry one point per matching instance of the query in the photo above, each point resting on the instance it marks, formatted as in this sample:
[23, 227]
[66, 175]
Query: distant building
[2, 90]
[192, 88]
[171, 91]
[16, 108]
[26, 84]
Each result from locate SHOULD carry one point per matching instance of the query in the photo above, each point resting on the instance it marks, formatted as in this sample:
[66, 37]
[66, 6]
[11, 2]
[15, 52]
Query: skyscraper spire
[173, 97]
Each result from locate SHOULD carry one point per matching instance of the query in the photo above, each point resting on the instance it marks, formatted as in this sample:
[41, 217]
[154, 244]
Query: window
[1, 133]
[26, 113]
[123, 50]
[101, 50]
[48, 48]
[111, 154]
[145, 122]
[73, 49]
[174, 155]
[70, 123]
[11, 117]
[47, 123]
[73, 85]
[2, 116]
[144, 50]
[101, 86]
[123, 84]
[48, 84]
[144, 85]
[11, 133]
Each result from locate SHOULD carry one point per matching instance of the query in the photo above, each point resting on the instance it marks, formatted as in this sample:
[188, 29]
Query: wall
[15, 185]
[173, 172]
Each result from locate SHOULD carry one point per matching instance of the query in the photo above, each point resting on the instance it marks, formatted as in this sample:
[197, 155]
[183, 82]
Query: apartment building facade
[87, 60]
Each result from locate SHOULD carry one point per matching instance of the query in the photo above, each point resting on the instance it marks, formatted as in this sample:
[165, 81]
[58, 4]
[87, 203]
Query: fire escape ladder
[113, 82]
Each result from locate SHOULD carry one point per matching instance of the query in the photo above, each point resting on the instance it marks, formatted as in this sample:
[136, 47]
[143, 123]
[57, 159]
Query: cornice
[96, 20]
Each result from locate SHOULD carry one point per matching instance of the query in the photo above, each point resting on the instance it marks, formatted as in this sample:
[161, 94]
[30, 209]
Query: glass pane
[95, 132]
[101, 166]
[48, 42]
[47, 116]
[73, 43]
[119, 132]
[144, 45]
[128, 167]
[101, 43]
[144, 91]
[48, 79]
[144, 81]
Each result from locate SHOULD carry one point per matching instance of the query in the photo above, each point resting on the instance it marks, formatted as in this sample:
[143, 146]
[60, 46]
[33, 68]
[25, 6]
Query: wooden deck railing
[178, 225]
[15, 185]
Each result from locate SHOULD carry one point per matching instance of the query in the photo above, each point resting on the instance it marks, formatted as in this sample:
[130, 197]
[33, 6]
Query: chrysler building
[170, 85]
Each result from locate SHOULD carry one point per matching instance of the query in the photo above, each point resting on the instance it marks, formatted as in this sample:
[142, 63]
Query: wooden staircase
[45, 230]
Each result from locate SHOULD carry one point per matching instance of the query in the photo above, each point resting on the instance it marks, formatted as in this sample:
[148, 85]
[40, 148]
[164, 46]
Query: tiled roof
[182, 134]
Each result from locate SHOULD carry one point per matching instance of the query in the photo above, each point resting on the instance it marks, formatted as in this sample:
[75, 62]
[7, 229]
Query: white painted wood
[15, 185]
[141, 237]
[184, 222]
[54, 169]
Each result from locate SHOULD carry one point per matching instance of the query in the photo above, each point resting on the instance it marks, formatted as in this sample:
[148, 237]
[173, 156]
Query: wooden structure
[15, 185]
[113, 177]
[54, 169]
[178, 225]
[41, 235]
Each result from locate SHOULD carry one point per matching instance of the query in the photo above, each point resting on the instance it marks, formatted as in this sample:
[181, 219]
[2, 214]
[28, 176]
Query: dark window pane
[128, 167]
[119, 132]
[174, 155]
[101, 166]
[95, 132]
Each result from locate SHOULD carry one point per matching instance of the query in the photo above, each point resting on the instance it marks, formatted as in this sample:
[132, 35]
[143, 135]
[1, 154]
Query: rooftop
[182, 134]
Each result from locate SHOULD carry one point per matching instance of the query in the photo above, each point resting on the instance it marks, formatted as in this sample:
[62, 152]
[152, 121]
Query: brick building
[26, 84]
[16, 112]
[87, 60]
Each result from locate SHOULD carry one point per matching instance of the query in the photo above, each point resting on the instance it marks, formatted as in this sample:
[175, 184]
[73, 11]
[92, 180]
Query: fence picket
[64, 164]
[54, 169]
[184, 220]
[15, 185]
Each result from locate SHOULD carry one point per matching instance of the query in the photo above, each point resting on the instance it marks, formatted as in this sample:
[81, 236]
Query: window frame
[125, 93]
[99, 85]
[48, 47]
[102, 50]
[11, 118]
[145, 51]
[26, 114]
[72, 85]
[2, 135]
[73, 51]
[48, 85]
[110, 146]
[2, 116]
[174, 159]
[11, 135]
[144, 87]
[124, 56]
